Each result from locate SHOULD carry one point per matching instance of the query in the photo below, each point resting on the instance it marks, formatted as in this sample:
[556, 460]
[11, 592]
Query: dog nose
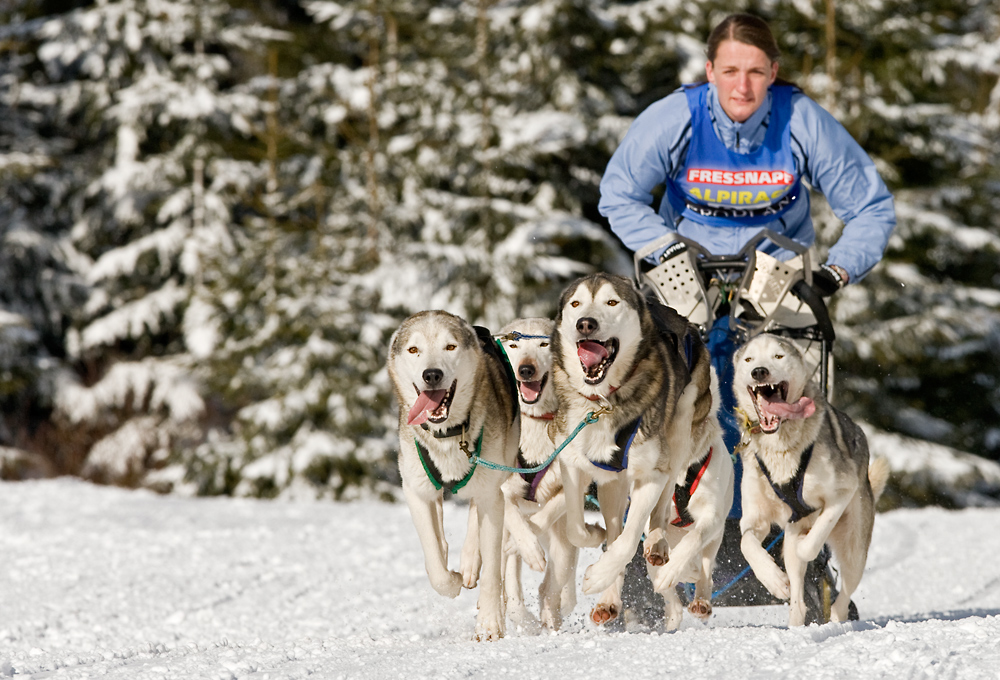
[760, 374]
[433, 376]
[586, 326]
[526, 371]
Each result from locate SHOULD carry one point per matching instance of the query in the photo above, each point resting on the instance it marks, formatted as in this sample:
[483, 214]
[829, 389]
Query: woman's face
[741, 73]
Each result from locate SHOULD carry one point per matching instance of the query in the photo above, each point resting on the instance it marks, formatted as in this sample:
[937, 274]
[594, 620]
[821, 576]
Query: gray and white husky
[455, 398]
[806, 469]
[652, 387]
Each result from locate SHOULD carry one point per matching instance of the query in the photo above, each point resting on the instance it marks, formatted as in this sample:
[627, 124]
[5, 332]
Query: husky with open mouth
[536, 506]
[651, 384]
[456, 398]
[805, 469]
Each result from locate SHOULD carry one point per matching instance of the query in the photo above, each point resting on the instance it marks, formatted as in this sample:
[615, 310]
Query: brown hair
[747, 29]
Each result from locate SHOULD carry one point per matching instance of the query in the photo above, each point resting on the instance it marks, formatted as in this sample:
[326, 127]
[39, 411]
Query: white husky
[806, 469]
[536, 505]
[455, 399]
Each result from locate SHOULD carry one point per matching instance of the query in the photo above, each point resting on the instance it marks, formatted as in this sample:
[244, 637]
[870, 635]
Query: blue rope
[745, 571]
[589, 419]
[518, 335]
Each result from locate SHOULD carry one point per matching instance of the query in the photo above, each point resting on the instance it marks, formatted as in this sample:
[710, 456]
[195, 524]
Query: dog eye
[612, 303]
[450, 348]
[779, 356]
[574, 303]
[512, 346]
[748, 359]
[544, 344]
[412, 350]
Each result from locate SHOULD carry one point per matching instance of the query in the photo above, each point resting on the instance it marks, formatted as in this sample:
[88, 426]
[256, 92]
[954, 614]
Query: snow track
[102, 582]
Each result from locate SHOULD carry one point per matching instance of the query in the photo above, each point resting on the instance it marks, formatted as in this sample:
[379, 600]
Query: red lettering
[742, 178]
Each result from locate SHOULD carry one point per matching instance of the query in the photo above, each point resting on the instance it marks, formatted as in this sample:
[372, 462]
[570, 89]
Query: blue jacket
[826, 157]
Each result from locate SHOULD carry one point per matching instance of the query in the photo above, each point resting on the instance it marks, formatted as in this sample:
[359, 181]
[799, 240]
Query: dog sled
[731, 299]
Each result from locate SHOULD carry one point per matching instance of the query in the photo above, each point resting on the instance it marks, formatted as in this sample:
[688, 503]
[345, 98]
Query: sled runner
[731, 299]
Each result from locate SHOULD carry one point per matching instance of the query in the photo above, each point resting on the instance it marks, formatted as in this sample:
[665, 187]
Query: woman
[733, 154]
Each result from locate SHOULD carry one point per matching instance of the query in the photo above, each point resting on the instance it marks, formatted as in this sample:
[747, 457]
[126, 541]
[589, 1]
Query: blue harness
[722, 188]
[623, 439]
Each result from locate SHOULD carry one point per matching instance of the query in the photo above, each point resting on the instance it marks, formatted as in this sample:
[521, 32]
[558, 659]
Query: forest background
[215, 213]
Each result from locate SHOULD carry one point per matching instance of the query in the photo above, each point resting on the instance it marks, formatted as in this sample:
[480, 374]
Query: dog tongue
[530, 390]
[591, 353]
[803, 408]
[427, 401]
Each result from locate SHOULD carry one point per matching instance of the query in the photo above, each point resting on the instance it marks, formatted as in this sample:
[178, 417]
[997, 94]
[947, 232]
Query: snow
[105, 582]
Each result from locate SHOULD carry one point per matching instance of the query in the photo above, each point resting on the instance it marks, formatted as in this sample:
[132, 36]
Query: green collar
[435, 475]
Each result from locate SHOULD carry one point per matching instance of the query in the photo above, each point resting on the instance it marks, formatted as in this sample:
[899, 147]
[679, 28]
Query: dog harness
[435, 475]
[623, 439]
[682, 494]
[790, 493]
[532, 478]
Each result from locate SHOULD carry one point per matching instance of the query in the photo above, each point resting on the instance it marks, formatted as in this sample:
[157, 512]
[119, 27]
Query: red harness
[682, 495]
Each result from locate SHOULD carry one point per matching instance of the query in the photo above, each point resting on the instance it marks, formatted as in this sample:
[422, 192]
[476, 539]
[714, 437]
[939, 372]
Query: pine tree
[39, 128]
[298, 338]
[150, 83]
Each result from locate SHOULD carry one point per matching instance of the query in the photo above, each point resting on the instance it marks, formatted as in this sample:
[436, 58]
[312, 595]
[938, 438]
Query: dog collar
[748, 426]
[452, 431]
[598, 397]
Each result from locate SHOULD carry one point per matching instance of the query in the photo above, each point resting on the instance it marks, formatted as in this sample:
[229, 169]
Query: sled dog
[648, 383]
[535, 516]
[806, 469]
[455, 398]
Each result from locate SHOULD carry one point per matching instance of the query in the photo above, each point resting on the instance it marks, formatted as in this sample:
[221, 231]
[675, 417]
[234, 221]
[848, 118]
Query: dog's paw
[449, 586]
[673, 612]
[551, 615]
[700, 608]
[470, 579]
[600, 575]
[470, 563]
[489, 627]
[603, 613]
[592, 536]
[523, 620]
[666, 577]
[774, 579]
[531, 552]
[655, 548]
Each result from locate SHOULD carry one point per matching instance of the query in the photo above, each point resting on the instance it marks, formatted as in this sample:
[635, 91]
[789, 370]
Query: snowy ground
[102, 582]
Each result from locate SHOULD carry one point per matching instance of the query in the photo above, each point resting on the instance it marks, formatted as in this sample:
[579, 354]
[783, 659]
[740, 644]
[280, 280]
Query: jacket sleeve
[646, 157]
[839, 168]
